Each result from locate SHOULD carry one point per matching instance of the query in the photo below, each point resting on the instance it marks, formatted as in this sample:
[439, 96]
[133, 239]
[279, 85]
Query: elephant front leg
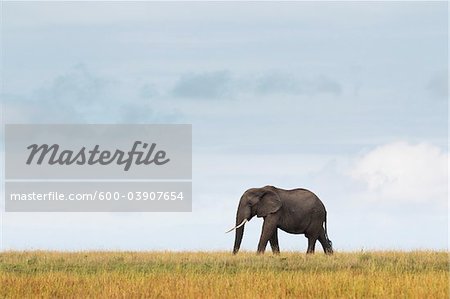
[268, 230]
[311, 244]
[274, 242]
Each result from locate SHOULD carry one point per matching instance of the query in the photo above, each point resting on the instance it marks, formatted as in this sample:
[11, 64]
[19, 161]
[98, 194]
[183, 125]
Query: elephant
[296, 211]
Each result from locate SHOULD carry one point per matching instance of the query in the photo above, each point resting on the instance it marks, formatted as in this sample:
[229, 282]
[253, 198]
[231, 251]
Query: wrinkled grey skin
[297, 211]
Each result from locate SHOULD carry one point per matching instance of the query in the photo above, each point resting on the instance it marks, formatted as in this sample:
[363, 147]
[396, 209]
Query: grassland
[421, 274]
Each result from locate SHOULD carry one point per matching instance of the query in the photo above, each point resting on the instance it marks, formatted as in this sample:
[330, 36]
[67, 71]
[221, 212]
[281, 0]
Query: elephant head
[257, 201]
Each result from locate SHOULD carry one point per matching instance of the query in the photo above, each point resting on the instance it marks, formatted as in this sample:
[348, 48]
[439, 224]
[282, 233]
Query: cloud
[74, 96]
[82, 96]
[225, 85]
[207, 85]
[79, 85]
[284, 83]
[277, 83]
[438, 85]
[141, 113]
[324, 84]
[148, 91]
[404, 172]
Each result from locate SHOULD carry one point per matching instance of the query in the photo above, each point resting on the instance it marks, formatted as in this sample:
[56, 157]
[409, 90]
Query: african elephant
[297, 211]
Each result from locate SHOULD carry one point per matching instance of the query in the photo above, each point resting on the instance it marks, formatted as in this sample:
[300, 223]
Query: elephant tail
[326, 234]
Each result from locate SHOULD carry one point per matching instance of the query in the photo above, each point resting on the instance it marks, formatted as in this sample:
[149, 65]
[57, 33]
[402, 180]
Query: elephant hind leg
[326, 245]
[313, 232]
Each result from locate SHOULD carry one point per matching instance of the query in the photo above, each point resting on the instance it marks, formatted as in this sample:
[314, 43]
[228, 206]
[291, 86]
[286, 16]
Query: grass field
[421, 274]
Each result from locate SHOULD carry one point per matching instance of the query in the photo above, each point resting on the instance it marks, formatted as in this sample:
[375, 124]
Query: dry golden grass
[42, 274]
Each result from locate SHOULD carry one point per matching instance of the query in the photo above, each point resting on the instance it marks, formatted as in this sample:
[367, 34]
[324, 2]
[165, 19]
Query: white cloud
[404, 172]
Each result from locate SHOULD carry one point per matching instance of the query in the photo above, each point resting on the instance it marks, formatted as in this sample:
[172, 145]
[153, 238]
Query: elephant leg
[325, 243]
[274, 242]
[313, 232]
[268, 230]
[311, 245]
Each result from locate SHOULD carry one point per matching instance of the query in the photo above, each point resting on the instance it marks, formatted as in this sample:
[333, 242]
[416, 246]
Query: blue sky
[348, 99]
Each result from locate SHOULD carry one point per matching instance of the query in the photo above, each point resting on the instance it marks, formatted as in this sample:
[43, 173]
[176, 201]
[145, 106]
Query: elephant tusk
[238, 226]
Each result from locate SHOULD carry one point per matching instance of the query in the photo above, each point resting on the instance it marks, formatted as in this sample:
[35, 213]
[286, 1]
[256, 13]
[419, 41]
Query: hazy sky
[346, 99]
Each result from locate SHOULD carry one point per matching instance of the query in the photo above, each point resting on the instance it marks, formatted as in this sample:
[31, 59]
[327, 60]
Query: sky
[347, 99]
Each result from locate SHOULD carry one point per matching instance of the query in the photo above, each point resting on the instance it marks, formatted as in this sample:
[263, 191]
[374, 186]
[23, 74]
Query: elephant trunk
[238, 239]
[242, 216]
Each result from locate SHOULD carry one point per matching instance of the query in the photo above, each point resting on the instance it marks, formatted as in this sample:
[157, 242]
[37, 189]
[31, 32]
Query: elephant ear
[269, 203]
